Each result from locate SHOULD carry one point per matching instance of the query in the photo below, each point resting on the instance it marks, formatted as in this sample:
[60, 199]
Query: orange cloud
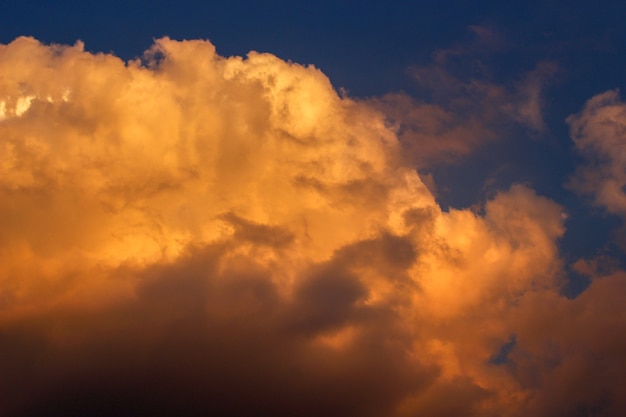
[194, 234]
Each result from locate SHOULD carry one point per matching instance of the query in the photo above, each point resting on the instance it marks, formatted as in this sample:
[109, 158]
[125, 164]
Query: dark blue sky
[380, 40]
[372, 48]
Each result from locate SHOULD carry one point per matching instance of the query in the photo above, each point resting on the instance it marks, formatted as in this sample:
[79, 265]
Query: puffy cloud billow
[190, 234]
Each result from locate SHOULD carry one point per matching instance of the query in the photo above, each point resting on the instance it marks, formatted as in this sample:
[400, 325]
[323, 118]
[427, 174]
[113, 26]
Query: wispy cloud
[466, 105]
[598, 133]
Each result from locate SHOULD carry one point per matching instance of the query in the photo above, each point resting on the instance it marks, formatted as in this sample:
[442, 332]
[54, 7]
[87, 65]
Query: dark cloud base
[197, 341]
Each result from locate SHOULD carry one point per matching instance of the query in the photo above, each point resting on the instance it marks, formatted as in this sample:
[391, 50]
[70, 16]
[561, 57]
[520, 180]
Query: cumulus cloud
[193, 234]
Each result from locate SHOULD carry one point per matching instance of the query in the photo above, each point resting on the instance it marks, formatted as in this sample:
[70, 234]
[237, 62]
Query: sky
[337, 208]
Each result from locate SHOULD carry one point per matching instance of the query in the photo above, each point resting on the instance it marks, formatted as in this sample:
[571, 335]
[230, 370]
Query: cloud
[193, 234]
[597, 132]
[566, 344]
[430, 133]
[466, 106]
[527, 107]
